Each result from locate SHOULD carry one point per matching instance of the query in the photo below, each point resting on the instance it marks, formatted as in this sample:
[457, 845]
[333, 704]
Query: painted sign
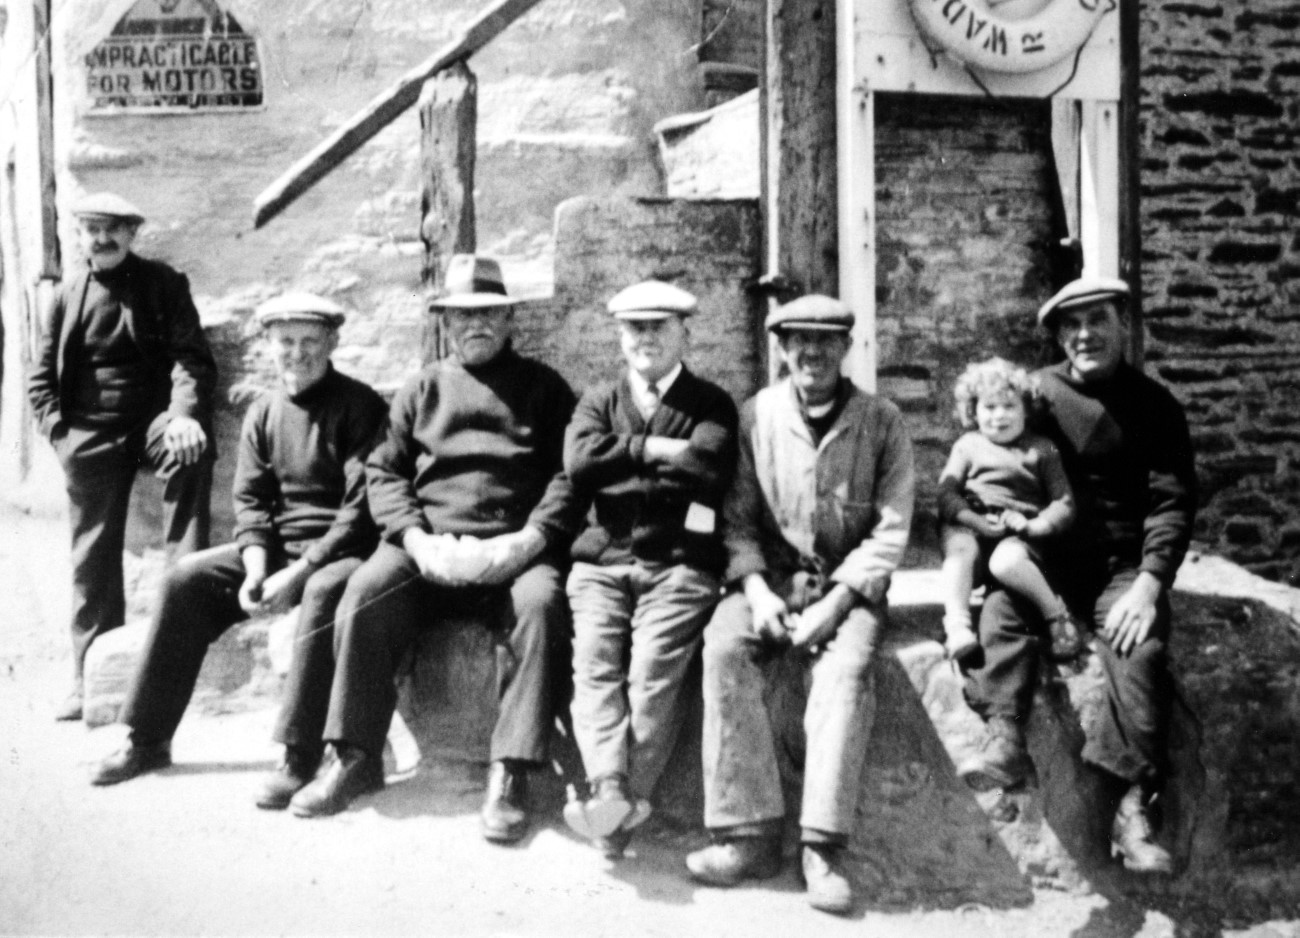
[174, 55]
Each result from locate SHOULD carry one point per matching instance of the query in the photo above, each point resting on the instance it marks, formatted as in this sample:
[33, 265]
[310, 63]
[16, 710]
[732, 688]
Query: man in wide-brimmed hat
[302, 527]
[476, 514]
[1125, 445]
[122, 378]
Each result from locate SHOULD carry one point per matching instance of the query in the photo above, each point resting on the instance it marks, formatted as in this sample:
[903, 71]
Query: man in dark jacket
[652, 454]
[302, 528]
[476, 514]
[122, 378]
[1124, 441]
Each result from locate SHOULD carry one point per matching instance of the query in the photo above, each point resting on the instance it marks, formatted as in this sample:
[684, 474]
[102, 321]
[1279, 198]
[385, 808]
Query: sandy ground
[185, 852]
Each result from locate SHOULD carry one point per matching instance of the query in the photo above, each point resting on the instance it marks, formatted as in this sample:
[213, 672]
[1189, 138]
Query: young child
[1002, 490]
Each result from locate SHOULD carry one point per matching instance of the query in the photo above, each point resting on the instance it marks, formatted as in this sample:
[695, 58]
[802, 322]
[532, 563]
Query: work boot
[352, 772]
[1131, 837]
[295, 773]
[1066, 634]
[608, 808]
[828, 886]
[71, 707]
[731, 861]
[135, 758]
[1002, 761]
[504, 818]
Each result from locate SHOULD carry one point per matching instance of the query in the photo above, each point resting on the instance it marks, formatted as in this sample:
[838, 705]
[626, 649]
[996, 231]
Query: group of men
[637, 523]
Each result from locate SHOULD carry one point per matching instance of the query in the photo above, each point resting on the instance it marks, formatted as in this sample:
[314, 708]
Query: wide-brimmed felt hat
[300, 306]
[108, 205]
[1086, 291]
[814, 312]
[652, 300]
[472, 282]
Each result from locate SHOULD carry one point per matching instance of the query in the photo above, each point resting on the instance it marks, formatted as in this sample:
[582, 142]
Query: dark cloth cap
[814, 312]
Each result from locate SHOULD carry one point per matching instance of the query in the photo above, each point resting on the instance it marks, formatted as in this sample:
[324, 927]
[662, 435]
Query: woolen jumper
[477, 451]
[1025, 475]
[1128, 453]
[300, 482]
[638, 509]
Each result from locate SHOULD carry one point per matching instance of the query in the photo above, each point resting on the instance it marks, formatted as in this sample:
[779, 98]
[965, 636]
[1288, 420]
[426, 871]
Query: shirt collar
[642, 387]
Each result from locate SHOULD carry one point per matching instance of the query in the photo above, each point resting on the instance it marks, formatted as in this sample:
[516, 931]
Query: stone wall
[1221, 258]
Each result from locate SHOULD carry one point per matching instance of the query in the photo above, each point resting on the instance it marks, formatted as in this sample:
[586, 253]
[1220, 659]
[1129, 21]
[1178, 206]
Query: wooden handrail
[383, 110]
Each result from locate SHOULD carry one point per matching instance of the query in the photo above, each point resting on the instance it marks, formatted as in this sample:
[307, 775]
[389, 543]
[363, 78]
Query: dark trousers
[1128, 736]
[387, 604]
[100, 466]
[200, 600]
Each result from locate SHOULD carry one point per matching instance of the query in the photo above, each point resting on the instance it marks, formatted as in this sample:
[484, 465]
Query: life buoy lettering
[970, 32]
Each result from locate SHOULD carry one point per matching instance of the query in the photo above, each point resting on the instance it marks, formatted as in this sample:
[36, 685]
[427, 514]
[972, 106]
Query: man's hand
[432, 555]
[1130, 620]
[664, 448]
[818, 623]
[283, 589]
[185, 439]
[250, 591]
[768, 612]
[509, 554]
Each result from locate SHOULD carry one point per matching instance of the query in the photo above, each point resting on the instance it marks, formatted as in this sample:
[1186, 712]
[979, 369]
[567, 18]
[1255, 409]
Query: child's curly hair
[992, 377]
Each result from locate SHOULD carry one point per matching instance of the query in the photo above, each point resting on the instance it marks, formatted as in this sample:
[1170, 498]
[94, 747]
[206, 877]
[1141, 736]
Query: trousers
[387, 604]
[99, 466]
[1128, 736]
[200, 601]
[636, 629]
[742, 783]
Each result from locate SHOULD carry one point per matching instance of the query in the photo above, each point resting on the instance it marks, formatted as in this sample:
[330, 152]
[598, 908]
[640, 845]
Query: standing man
[816, 523]
[123, 378]
[477, 516]
[652, 454]
[301, 528]
[1124, 441]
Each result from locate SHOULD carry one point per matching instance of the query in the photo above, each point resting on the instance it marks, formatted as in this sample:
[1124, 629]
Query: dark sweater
[1128, 455]
[300, 481]
[638, 510]
[476, 451]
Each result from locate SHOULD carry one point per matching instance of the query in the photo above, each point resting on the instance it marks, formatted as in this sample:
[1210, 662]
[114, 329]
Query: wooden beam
[51, 263]
[1130, 171]
[383, 110]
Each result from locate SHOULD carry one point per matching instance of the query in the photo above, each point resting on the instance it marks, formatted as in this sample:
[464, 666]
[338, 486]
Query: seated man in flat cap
[816, 522]
[652, 455]
[1124, 442]
[301, 528]
[477, 515]
[122, 379]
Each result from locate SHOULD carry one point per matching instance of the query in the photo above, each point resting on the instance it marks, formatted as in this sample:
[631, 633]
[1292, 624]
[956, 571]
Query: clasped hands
[466, 560]
[1001, 523]
[814, 626]
[185, 439]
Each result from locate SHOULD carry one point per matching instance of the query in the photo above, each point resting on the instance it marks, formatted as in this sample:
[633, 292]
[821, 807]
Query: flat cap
[472, 282]
[815, 312]
[1083, 292]
[299, 306]
[652, 299]
[108, 204]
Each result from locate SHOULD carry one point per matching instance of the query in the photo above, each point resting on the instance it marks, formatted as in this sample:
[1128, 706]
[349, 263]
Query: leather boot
[1131, 837]
[609, 808]
[294, 774]
[504, 818]
[731, 861]
[353, 772]
[824, 878]
[135, 758]
[1002, 761]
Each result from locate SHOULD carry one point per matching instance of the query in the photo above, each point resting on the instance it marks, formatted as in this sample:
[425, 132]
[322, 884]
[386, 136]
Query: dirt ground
[185, 852]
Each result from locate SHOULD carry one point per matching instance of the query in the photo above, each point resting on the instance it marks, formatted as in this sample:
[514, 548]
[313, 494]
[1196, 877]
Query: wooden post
[51, 265]
[448, 141]
[1130, 171]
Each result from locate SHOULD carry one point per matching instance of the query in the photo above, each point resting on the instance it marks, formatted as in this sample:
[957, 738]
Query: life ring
[970, 32]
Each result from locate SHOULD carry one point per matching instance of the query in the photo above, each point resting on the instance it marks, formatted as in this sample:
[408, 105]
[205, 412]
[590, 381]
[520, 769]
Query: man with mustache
[301, 529]
[122, 379]
[476, 513]
[816, 522]
[1125, 445]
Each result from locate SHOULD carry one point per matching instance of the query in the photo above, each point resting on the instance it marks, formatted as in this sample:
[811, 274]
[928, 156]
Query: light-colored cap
[814, 312]
[109, 205]
[1083, 292]
[300, 306]
[472, 281]
[652, 300]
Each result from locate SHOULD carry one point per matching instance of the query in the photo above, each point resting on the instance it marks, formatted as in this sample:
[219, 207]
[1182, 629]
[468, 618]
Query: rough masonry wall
[1221, 258]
